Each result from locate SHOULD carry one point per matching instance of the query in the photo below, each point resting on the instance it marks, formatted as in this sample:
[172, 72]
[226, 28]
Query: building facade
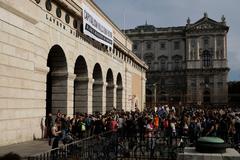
[62, 55]
[187, 64]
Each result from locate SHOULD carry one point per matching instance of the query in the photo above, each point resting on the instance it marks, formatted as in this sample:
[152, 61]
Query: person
[64, 126]
[113, 124]
[49, 125]
[98, 126]
[56, 134]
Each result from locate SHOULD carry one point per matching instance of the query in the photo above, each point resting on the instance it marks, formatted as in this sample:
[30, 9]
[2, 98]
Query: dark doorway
[56, 87]
[206, 97]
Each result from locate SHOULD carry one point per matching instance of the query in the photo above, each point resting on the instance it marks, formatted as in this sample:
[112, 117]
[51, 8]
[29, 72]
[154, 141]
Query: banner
[96, 28]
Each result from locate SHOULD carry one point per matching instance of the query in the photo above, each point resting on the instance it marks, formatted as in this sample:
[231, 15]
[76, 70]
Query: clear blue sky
[166, 13]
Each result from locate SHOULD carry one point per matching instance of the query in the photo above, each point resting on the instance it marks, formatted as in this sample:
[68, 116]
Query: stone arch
[97, 99]
[56, 97]
[109, 90]
[81, 86]
[119, 92]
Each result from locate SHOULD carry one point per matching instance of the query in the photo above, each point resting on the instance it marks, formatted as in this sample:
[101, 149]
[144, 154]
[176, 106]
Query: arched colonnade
[57, 81]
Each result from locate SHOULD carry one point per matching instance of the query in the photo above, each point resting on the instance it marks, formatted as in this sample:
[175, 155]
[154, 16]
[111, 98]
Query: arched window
[149, 45]
[177, 59]
[163, 62]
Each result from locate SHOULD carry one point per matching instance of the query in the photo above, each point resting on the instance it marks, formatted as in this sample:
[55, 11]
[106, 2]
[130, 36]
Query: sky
[168, 13]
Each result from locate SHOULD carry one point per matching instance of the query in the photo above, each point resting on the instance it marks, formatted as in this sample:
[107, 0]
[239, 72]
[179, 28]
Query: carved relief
[205, 26]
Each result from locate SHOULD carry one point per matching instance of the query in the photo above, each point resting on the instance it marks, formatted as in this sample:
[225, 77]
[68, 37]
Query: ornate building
[187, 64]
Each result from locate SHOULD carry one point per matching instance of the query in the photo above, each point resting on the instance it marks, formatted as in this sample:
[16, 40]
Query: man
[49, 125]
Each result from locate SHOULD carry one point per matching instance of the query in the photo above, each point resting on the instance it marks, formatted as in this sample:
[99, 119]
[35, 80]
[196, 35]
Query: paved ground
[26, 148]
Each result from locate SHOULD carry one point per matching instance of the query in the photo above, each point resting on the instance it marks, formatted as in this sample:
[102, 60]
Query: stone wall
[35, 43]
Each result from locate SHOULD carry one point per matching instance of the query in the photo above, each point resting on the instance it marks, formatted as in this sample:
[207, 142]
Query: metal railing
[88, 148]
[110, 146]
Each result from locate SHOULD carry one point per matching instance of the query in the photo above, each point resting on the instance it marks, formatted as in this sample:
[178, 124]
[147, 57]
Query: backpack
[165, 124]
[88, 122]
[83, 126]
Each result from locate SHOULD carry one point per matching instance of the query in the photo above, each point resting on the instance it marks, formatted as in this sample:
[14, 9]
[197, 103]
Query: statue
[188, 21]
[205, 15]
[223, 19]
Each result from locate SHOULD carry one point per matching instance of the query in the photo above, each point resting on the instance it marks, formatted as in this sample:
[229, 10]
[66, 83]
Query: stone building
[187, 64]
[62, 55]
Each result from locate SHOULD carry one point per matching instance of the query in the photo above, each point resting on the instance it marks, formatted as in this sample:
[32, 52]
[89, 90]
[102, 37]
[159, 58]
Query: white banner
[96, 28]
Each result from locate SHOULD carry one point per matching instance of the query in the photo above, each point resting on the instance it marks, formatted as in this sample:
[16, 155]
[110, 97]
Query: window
[177, 60]
[162, 45]
[149, 45]
[176, 45]
[162, 81]
[207, 59]
[163, 65]
[177, 64]
[193, 43]
[135, 46]
[206, 41]
[149, 65]
[219, 41]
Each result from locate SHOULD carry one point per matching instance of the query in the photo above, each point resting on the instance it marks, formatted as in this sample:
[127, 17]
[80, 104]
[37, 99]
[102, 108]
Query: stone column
[198, 53]
[119, 99]
[224, 47]
[109, 96]
[143, 93]
[42, 72]
[70, 84]
[114, 96]
[215, 48]
[90, 96]
[104, 97]
[188, 49]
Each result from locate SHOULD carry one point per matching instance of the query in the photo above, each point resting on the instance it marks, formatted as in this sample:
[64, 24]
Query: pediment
[207, 24]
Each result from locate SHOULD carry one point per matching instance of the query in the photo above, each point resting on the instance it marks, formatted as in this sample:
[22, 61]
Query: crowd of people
[192, 122]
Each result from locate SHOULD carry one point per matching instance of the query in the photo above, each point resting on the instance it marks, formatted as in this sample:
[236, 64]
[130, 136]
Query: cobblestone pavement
[26, 148]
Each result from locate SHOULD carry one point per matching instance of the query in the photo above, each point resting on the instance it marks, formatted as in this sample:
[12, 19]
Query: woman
[56, 134]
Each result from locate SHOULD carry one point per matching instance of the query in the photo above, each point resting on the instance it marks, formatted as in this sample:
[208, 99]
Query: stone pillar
[143, 93]
[104, 85]
[119, 99]
[90, 96]
[198, 53]
[188, 49]
[142, 44]
[215, 48]
[70, 84]
[114, 96]
[42, 72]
[224, 47]
[109, 97]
